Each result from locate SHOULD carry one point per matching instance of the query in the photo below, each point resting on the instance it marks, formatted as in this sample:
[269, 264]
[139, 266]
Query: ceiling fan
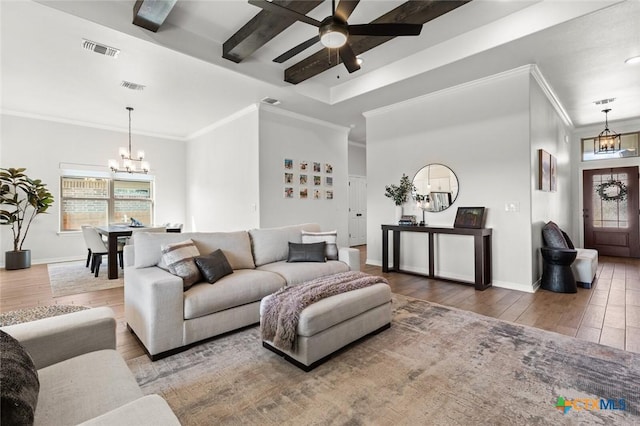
[334, 31]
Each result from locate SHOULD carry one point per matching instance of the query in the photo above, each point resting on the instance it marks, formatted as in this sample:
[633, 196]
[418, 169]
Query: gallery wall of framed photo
[307, 180]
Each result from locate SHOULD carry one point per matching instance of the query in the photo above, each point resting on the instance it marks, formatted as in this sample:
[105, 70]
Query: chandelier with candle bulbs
[128, 163]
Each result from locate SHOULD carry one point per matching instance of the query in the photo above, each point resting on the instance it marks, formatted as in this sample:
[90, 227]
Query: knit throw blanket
[281, 312]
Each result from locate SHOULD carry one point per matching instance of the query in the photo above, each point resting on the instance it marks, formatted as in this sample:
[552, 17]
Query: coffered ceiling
[579, 47]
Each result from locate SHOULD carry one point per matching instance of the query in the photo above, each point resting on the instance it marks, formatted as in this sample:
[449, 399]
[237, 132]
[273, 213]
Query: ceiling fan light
[333, 36]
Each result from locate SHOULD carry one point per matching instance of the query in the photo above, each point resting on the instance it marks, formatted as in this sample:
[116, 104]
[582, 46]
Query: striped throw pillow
[179, 258]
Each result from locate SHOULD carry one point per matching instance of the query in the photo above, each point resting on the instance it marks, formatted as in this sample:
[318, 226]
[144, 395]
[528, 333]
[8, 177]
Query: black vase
[20, 259]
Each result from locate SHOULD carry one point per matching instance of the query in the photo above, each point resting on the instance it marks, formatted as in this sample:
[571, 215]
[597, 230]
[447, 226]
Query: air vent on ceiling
[100, 48]
[270, 101]
[132, 86]
[604, 101]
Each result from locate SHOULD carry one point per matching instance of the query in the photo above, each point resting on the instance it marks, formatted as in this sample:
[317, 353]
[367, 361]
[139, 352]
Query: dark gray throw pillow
[553, 237]
[213, 266]
[313, 252]
[20, 385]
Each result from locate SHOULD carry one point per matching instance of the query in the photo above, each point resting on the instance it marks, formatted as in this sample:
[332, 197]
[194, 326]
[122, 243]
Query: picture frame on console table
[469, 217]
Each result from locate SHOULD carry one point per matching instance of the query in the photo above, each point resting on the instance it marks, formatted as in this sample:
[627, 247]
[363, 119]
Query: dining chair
[97, 248]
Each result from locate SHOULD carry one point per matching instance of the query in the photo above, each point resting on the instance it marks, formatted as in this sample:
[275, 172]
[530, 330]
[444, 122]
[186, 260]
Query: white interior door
[357, 210]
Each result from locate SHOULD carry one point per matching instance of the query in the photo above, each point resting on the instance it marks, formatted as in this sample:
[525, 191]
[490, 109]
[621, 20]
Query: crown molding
[244, 111]
[358, 144]
[301, 117]
[86, 124]
[551, 96]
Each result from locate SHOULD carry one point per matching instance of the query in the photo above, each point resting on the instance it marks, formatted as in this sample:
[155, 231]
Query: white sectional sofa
[168, 319]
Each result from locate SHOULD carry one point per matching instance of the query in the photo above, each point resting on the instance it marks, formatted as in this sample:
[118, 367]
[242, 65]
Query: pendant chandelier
[127, 163]
[607, 141]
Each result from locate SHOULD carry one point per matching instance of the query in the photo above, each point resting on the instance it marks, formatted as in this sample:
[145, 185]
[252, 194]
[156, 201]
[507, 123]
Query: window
[101, 201]
[628, 148]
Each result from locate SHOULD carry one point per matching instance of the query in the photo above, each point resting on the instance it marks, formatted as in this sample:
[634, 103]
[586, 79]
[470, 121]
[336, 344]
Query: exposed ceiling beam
[412, 12]
[150, 14]
[262, 28]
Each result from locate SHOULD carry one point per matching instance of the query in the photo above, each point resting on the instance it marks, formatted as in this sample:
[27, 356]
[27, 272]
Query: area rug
[39, 312]
[435, 365]
[74, 278]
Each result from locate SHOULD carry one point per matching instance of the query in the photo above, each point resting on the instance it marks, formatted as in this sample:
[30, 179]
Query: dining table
[113, 232]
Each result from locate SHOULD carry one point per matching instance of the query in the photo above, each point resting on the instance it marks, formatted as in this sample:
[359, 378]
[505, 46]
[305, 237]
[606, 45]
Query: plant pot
[399, 212]
[20, 259]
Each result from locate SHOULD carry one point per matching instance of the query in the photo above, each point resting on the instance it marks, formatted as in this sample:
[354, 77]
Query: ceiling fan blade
[385, 29]
[345, 8]
[299, 48]
[349, 58]
[276, 8]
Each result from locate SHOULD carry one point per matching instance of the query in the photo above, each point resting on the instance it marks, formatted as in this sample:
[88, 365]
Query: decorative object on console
[25, 198]
[607, 141]
[399, 194]
[469, 217]
[408, 220]
[129, 164]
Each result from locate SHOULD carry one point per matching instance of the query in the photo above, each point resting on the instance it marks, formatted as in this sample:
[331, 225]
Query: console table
[481, 244]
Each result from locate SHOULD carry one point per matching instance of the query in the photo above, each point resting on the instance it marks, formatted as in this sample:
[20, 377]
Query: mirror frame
[454, 195]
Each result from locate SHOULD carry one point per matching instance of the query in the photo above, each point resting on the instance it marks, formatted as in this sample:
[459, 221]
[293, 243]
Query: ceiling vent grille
[100, 48]
[132, 86]
[270, 101]
[604, 101]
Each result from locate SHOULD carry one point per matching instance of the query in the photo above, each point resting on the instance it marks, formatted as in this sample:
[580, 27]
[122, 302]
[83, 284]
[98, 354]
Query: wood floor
[608, 313]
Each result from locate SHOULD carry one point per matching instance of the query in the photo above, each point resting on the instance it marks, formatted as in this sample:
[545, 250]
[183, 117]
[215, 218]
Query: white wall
[357, 159]
[222, 175]
[288, 135]
[548, 132]
[481, 131]
[42, 146]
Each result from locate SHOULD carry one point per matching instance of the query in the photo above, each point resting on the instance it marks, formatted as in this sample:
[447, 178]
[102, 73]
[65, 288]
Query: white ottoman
[335, 322]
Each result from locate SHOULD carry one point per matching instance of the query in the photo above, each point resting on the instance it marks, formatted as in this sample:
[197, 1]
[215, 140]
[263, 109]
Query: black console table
[481, 244]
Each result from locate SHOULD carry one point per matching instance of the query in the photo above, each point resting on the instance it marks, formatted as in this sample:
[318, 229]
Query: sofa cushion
[213, 266]
[242, 287]
[329, 237]
[313, 252]
[236, 246]
[84, 387]
[272, 244]
[20, 385]
[552, 236]
[179, 258]
[300, 272]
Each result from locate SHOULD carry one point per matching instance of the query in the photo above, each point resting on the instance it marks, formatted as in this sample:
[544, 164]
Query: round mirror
[435, 188]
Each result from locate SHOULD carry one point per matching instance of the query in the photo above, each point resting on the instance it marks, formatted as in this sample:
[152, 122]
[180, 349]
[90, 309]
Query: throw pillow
[307, 252]
[20, 385]
[213, 266]
[329, 237]
[179, 260]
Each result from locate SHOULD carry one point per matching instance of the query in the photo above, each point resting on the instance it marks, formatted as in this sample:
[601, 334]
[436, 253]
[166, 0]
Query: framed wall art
[544, 170]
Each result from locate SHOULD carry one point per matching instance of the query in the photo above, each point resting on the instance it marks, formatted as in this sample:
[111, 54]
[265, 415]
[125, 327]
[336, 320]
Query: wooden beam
[411, 12]
[263, 27]
[150, 14]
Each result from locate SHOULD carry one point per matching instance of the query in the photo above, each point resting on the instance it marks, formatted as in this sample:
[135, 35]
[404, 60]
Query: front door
[611, 211]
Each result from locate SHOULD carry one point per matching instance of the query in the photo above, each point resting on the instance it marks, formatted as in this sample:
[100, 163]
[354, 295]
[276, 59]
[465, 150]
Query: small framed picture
[316, 194]
[328, 181]
[317, 180]
[329, 194]
[303, 179]
[317, 168]
[469, 217]
[288, 163]
[304, 166]
[288, 192]
[304, 193]
[328, 168]
[288, 178]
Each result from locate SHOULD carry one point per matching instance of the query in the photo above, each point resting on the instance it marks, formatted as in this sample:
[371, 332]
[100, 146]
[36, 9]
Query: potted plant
[21, 200]
[399, 193]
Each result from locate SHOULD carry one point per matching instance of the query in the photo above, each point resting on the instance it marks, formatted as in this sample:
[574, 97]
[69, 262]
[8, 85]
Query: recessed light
[633, 60]
[359, 60]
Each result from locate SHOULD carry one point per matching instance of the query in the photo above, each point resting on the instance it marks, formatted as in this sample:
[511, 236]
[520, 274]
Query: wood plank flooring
[608, 313]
